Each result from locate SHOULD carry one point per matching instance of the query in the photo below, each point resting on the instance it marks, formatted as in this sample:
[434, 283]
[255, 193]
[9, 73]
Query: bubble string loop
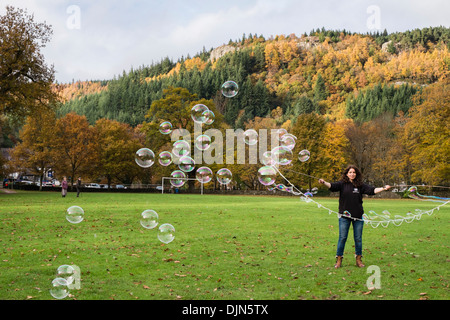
[309, 199]
[373, 218]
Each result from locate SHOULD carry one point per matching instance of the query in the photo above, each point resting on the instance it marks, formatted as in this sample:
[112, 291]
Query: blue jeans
[344, 226]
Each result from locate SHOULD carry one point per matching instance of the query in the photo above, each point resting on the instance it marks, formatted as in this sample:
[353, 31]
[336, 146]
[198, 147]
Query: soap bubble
[181, 148]
[186, 164]
[267, 175]
[267, 159]
[288, 141]
[224, 176]
[203, 142]
[165, 127]
[198, 113]
[149, 219]
[251, 137]
[145, 157]
[75, 214]
[230, 89]
[282, 155]
[203, 174]
[66, 272]
[209, 116]
[180, 178]
[280, 133]
[304, 155]
[165, 158]
[59, 288]
[166, 233]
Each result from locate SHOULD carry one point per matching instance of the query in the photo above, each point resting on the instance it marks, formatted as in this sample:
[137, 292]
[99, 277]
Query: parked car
[44, 184]
[25, 182]
[120, 186]
[93, 186]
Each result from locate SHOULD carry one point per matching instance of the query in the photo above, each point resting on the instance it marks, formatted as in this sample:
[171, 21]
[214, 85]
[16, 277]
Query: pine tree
[320, 90]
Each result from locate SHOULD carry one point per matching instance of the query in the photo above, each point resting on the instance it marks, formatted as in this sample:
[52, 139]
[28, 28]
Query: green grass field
[226, 247]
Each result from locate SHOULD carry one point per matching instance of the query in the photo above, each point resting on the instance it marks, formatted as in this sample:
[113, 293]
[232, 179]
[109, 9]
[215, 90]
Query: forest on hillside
[324, 72]
[380, 101]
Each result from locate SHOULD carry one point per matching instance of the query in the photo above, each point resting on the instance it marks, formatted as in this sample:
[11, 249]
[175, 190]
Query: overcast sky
[98, 39]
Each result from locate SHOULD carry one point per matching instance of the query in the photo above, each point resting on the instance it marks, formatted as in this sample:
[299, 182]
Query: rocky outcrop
[221, 51]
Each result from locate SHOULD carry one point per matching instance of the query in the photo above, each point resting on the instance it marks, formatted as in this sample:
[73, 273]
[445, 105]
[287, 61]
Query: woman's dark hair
[357, 182]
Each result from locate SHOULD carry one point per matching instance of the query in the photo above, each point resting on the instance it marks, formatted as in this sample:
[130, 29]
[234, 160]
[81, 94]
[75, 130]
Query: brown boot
[359, 262]
[338, 261]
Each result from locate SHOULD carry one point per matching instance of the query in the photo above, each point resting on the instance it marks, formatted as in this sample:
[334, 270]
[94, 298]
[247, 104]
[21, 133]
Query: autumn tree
[34, 153]
[426, 135]
[25, 79]
[118, 146]
[373, 147]
[360, 147]
[76, 148]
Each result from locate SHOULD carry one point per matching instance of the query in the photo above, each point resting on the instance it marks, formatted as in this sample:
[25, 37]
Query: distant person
[78, 186]
[351, 188]
[64, 186]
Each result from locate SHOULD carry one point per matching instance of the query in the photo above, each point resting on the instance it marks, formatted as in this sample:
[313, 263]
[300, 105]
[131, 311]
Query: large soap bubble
[186, 164]
[224, 176]
[204, 174]
[181, 148]
[165, 158]
[59, 288]
[304, 155]
[66, 272]
[198, 113]
[267, 175]
[250, 137]
[166, 233]
[266, 159]
[230, 89]
[203, 142]
[209, 116]
[149, 219]
[165, 127]
[179, 178]
[75, 214]
[288, 141]
[282, 155]
[145, 157]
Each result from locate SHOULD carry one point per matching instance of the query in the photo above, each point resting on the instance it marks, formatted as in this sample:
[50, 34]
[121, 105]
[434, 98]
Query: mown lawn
[226, 247]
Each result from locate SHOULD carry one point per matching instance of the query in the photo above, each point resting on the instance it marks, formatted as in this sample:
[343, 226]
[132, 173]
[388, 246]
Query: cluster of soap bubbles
[150, 220]
[281, 155]
[181, 149]
[66, 276]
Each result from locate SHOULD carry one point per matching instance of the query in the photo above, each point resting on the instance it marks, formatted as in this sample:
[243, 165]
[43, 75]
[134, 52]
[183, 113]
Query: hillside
[335, 73]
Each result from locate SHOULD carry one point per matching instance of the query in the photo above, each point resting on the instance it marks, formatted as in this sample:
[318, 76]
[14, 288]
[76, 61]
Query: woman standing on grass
[64, 186]
[351, 188]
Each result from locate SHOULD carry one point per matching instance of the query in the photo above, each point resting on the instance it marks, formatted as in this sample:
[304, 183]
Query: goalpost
[171, 178]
